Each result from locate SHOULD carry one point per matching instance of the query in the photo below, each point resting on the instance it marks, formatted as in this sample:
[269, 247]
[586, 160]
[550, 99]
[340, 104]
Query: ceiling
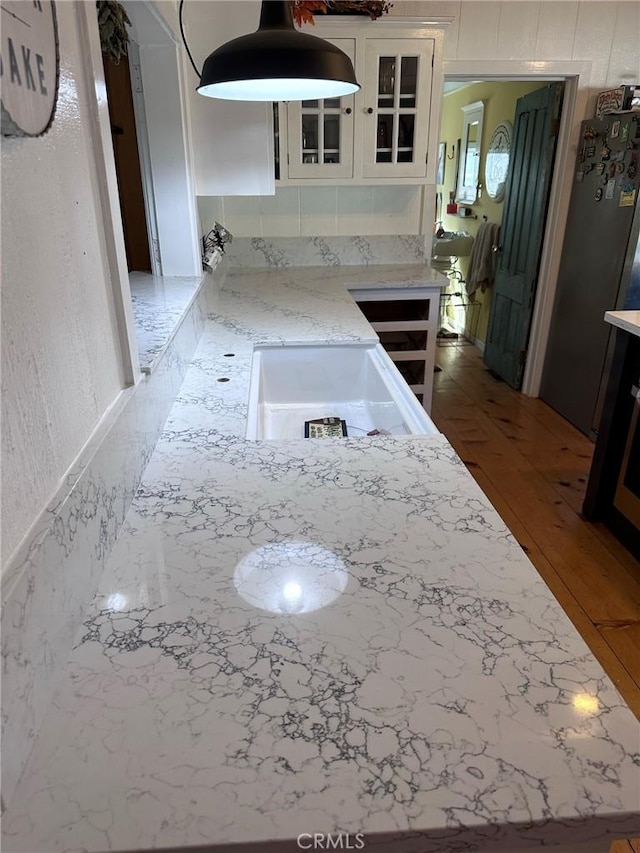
[453, 85]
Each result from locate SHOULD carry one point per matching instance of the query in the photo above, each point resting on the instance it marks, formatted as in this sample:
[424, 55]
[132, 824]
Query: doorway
[127, 160]
[517, 253]
[467, 307]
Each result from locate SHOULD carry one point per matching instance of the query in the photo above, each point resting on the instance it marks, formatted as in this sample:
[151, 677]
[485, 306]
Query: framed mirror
[470, 153]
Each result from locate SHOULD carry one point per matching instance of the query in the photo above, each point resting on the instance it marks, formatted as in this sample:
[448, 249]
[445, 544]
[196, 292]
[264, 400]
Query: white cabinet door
[396, 106]
[320, 133]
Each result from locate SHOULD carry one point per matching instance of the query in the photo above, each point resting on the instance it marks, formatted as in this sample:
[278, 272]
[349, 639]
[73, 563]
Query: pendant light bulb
[277, 63]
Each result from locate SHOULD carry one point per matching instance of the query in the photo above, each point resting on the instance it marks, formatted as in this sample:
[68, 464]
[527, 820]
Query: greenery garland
[112, 23]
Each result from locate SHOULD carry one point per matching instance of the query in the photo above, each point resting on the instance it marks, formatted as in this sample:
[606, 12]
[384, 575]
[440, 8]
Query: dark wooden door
[125, 149]
[526, 198]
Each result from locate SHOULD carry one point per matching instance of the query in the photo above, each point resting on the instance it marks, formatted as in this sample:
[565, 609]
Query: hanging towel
[483, 259]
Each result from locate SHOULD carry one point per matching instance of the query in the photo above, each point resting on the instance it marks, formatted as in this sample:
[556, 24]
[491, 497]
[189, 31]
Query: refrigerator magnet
[598, 194]
[605, 154]
[632, 171]
[627, 198]
[610, 189]
[600, 169]
[615, 130]
[624, 132]
[589, 151]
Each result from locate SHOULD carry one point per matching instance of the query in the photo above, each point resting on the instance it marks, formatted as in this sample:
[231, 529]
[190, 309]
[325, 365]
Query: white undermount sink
[360, 384]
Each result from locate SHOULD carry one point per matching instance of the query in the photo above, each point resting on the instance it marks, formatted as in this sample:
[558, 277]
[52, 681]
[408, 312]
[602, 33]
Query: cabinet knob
[348, 111]
[369, 110]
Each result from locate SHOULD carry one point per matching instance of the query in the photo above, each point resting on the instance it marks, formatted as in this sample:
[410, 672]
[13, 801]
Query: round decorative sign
[496, 165]
[29, 65]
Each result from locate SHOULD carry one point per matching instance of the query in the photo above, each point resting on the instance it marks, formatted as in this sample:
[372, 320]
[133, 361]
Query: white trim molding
[108, 191]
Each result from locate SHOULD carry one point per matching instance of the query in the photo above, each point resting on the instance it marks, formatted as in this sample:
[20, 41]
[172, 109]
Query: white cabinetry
[397, 102]
[406, 320]
[320, 133]
[384, 132]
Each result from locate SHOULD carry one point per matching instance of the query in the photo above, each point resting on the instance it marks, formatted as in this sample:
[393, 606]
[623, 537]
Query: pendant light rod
[275, 14]
[184, 40]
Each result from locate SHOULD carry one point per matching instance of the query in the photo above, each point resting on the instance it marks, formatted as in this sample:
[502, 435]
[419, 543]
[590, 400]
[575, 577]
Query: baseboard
[476, 342]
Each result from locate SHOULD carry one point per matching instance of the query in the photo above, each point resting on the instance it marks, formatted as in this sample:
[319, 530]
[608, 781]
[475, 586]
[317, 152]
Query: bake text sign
[28, 66]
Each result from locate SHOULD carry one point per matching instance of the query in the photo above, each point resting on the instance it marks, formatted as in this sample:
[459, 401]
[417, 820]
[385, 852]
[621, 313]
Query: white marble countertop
[158, 305]
[311, 304]
[627, 320]
[437, 699]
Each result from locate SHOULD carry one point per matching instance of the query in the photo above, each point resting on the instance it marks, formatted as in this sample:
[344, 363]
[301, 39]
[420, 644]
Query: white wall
[155, 29]
[171, 167]
[605, 32]
[61, 362]
[317, 211]
[232, 141]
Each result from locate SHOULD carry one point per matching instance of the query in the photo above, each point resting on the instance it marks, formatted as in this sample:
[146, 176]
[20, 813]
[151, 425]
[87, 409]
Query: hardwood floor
[631, 845]
[533, 466]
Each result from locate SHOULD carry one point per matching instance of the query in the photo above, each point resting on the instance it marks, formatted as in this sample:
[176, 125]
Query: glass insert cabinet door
[396, 107]
[320, 133]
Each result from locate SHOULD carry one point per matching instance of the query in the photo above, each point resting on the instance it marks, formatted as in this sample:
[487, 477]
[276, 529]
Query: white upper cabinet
[383, 133]
[397, 100]
[320, 133]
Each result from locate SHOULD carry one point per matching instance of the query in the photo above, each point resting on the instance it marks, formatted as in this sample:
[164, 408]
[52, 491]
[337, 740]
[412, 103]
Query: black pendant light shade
[277, 63]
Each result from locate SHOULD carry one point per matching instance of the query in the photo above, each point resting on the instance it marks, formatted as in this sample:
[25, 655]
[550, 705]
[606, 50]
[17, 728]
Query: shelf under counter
[406, 322]
[410, 336]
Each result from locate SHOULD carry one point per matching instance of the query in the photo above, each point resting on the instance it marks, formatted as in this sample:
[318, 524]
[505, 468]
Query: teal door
[526, 196]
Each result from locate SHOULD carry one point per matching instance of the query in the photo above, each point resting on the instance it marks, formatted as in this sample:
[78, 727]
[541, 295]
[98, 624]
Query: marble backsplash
[326, 251]
[46, 587]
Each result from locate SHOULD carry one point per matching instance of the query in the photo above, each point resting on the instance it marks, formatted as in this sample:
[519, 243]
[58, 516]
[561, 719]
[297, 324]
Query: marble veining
[255, 307]
[57, 569]
[312, 304]
[442, 694]
[295, 636]
[46, 587]
[286, 252]
[159, 302]
[397, 666]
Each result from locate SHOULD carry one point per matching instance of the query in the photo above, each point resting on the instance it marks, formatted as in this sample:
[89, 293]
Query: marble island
[320, 636]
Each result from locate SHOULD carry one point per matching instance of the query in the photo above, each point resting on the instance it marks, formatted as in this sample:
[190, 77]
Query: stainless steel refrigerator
[599, 268]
